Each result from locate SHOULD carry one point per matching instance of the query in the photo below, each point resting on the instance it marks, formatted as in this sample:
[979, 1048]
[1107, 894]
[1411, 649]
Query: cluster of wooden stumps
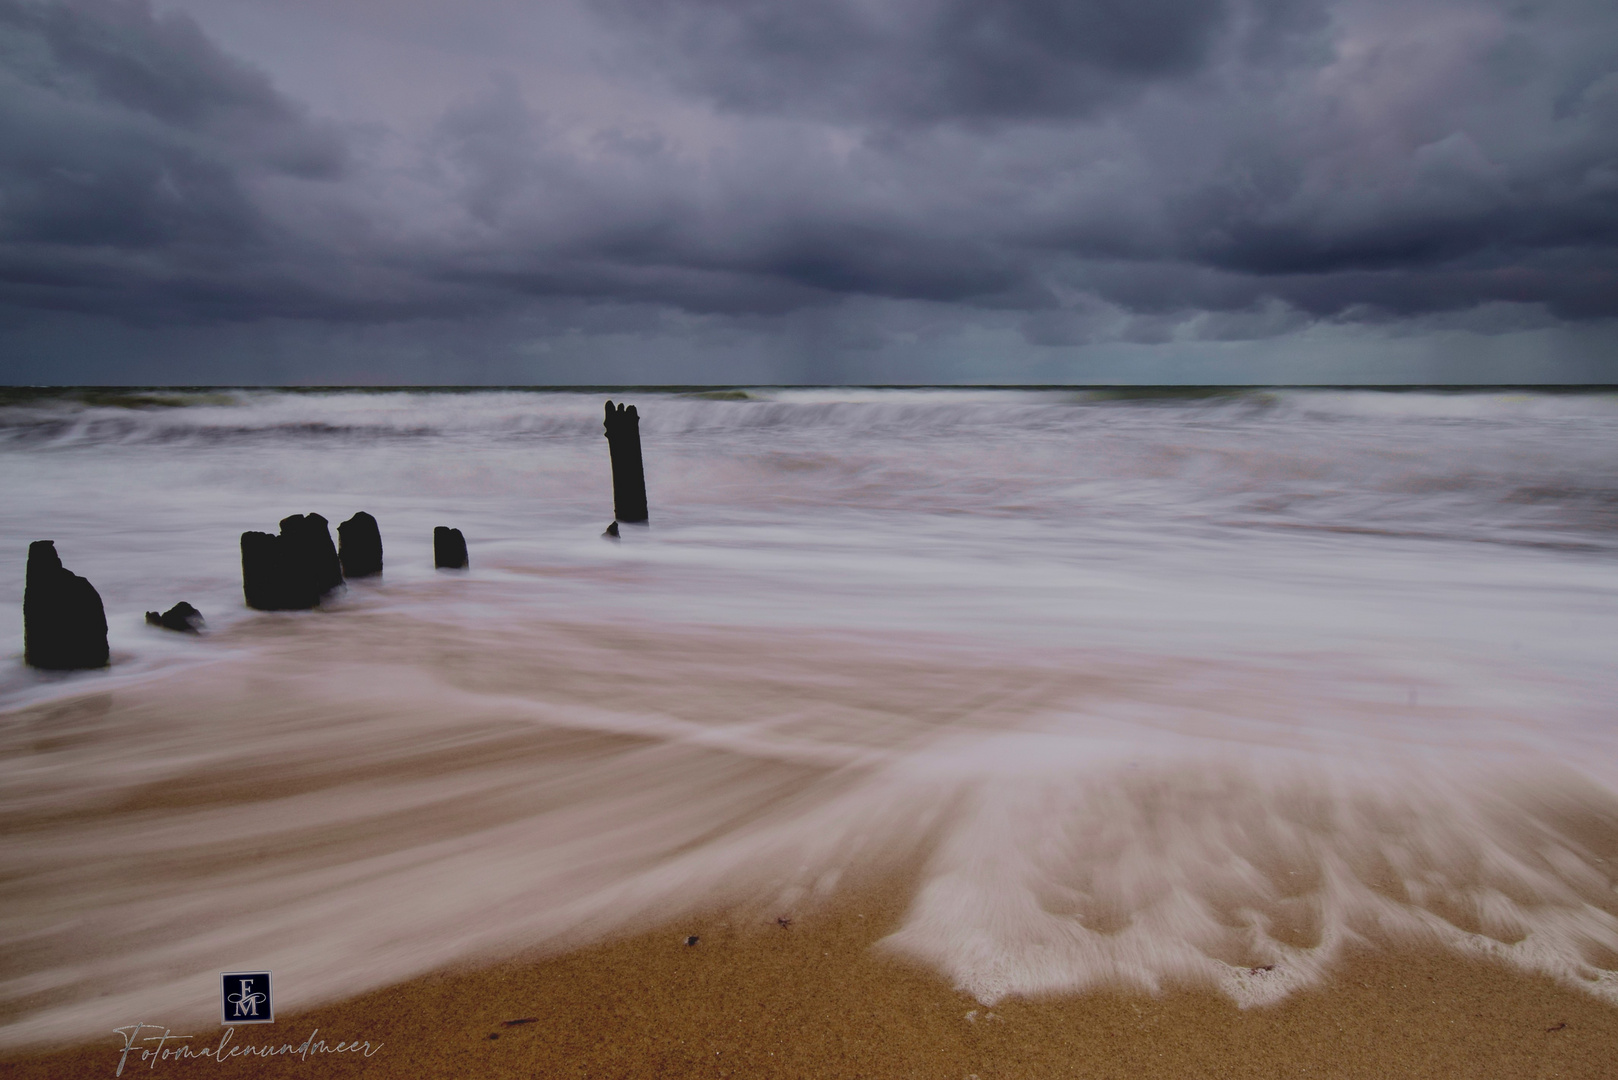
[65, 625]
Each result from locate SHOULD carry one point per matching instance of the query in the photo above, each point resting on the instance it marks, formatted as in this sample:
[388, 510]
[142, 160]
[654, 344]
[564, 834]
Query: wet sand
[814, 998]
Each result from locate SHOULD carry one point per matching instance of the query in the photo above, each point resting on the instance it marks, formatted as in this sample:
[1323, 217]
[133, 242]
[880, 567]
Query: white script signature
[135, 1044]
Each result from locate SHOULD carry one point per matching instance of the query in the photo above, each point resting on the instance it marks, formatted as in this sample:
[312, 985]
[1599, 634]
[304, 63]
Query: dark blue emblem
[246, 997]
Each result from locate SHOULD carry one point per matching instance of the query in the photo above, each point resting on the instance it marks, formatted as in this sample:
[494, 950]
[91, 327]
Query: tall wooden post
[628, 475]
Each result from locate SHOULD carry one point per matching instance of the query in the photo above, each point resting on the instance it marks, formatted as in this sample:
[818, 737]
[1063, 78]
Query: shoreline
[813, 998]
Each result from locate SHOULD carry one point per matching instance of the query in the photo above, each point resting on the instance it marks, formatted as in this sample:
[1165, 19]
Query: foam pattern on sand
[1254, 877]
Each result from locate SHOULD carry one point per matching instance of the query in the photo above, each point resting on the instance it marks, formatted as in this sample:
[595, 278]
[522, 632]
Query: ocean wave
[1518, 468]
[166, 414]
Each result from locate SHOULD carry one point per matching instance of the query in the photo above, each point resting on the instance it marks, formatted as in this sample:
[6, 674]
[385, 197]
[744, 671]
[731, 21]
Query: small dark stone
[181, 617]
[449, 548]
[359, 546]
[64, 624]
[692, 940]
[291, 571]
[612, 531]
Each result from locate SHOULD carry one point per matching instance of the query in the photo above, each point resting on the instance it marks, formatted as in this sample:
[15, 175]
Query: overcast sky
[822, 191]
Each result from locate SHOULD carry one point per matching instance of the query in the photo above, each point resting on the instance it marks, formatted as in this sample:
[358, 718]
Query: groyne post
[449, 549]
[628, 474]
[359, 546]
[64, 625]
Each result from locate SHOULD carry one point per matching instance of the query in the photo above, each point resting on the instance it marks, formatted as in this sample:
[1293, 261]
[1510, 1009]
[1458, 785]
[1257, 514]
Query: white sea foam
[1165, 691]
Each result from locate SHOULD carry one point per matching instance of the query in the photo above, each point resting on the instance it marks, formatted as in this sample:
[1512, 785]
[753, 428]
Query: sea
[1135, 688]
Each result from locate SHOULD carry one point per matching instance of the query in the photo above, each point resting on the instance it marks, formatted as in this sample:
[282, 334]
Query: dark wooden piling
[628, 475]
[359, 546]
[64, 624]
[449, 549]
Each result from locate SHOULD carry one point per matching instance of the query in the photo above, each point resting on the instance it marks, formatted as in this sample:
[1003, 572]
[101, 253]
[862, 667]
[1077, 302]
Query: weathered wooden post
[64, 626]
[359, 546]
[449, 549]
[628, 475]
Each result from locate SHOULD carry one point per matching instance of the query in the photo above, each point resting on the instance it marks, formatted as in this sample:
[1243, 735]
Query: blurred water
[1160, 688]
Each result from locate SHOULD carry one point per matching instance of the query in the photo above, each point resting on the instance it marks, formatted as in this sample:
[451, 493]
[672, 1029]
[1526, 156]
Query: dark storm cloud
[1352, 160]
[930, 60]
[121, 55]
[634, 220]
[1088, 171]
[128, 148]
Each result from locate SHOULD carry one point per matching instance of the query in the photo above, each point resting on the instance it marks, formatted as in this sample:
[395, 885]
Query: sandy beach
[815, 998]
